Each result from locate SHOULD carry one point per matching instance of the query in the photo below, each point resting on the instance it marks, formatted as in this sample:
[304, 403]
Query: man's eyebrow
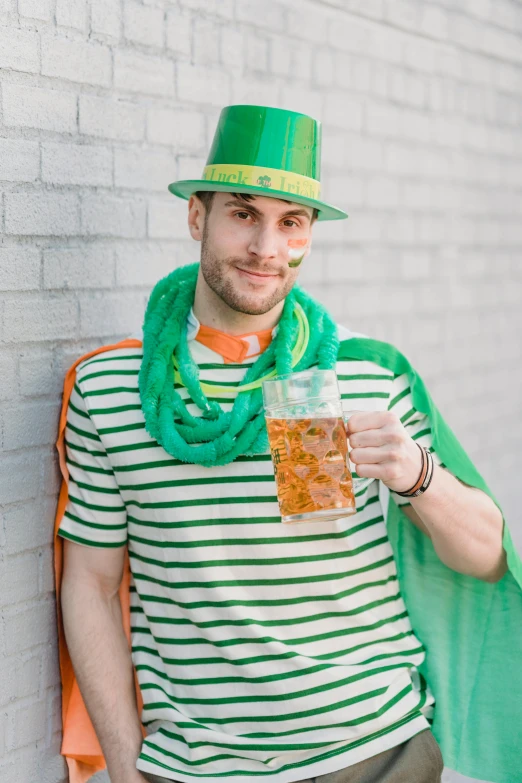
[237, 202]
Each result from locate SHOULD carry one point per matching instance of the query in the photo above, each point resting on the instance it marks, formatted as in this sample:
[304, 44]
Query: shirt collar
[233, 348]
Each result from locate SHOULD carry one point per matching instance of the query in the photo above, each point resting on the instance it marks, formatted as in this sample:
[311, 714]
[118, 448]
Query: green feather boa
[216, 437]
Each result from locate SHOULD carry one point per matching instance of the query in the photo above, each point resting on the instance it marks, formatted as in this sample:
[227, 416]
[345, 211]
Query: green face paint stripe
[296, 262]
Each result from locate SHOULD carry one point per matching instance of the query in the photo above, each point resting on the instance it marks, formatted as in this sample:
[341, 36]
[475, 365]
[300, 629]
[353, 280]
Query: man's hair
[207, 197]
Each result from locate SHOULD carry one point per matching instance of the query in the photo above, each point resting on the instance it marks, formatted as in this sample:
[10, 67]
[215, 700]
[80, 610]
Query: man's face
[252, 250]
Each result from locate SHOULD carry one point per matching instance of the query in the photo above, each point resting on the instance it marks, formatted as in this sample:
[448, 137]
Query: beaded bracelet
[425, 476]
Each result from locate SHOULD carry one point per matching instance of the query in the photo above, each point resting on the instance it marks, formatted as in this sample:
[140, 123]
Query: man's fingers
[366, 438]
[371, 420]
[371, 455]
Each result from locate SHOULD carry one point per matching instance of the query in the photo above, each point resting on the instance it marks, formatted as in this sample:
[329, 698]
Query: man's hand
[382, 449]
[464, 524]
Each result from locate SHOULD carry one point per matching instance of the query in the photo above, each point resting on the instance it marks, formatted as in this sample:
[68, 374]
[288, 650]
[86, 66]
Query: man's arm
[463, 522]
[100, 653]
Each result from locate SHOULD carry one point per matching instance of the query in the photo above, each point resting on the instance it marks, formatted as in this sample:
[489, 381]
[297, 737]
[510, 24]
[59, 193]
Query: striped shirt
[262, 650]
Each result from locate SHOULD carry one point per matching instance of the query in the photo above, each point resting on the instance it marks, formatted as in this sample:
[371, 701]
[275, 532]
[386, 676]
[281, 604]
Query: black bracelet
[429, 476]
[422, 475]
[415, 491]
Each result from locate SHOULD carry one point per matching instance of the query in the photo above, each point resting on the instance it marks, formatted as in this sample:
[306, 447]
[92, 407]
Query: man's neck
[211, 310]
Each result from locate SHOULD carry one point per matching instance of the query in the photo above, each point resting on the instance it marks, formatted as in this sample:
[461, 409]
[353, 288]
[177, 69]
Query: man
[261, 650]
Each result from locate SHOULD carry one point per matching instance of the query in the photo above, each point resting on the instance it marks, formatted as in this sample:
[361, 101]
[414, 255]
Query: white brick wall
[104, 102]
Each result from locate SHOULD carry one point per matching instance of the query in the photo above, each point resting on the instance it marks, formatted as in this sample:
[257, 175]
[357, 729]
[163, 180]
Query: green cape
[472, 630]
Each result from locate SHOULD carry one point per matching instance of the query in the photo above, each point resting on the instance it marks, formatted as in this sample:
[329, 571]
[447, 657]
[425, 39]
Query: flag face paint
[295, 251]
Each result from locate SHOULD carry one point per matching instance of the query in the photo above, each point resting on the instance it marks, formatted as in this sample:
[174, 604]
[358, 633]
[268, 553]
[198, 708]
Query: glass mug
[309, 447]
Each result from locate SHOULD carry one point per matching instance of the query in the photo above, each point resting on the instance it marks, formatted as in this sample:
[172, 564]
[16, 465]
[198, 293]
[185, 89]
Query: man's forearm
[103, 667]
[465, 526]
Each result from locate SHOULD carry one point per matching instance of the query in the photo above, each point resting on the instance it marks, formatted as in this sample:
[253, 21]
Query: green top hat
[265, 151]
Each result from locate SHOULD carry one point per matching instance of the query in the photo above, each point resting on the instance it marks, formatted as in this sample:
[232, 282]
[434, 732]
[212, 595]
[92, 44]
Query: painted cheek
[295, 251]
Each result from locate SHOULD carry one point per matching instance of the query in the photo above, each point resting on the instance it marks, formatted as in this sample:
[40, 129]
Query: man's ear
[196, 217]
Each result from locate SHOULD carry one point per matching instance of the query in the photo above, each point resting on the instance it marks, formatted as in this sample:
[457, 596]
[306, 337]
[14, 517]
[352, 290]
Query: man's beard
[213, 270]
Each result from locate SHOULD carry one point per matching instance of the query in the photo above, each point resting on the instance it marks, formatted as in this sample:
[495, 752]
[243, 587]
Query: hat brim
[186, 187]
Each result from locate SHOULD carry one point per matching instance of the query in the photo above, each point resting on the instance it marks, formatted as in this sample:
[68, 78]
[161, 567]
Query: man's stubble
[213, 271]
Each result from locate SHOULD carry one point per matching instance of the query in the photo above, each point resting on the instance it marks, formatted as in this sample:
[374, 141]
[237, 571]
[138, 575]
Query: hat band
[261, 177]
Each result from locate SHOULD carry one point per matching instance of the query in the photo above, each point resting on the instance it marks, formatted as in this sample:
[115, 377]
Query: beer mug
[309, 447]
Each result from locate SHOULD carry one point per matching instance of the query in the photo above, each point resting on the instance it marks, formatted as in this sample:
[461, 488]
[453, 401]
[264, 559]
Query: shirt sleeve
[95, 514]
[417, 424]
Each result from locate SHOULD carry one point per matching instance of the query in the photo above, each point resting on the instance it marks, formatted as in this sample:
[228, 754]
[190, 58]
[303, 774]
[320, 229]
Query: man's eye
[291, 221]
[241, 213]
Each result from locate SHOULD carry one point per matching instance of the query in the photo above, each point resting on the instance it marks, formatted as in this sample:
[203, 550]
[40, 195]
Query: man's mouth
[256, 275]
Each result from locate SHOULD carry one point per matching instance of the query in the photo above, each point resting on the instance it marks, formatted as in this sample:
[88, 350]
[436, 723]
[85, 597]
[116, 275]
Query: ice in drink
[311, 468]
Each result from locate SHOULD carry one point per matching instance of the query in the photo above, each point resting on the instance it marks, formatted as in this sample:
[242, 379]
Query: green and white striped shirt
[262, 650]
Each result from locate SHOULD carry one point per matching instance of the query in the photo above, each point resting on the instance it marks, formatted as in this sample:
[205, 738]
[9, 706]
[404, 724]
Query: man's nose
[263, 243]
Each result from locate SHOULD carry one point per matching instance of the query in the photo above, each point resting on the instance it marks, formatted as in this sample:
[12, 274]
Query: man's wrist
[122, 764]
[425, 476]
[124, 773]
[414, 472]
[135, 776]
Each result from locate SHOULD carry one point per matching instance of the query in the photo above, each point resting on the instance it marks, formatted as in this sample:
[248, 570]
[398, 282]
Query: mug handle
[346, 417]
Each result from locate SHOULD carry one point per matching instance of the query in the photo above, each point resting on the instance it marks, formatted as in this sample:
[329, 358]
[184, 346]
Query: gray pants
[418, 760]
